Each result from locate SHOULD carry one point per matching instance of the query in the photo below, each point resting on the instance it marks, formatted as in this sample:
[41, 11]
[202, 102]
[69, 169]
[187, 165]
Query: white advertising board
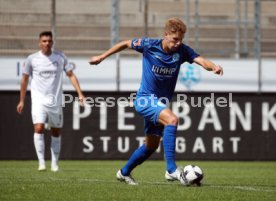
[239, 75]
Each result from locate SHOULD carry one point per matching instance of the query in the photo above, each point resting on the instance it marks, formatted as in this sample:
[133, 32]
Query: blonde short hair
[174, 25]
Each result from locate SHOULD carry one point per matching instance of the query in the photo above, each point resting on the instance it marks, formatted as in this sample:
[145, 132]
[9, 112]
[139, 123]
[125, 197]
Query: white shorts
[53, 116]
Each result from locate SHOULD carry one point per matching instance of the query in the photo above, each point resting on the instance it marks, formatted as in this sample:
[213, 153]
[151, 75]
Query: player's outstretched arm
[116, 48]
[76, 85]
[209, 65]
[23, 89]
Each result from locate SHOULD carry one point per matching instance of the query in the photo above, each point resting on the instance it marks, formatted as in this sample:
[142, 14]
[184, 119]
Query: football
[191, 175]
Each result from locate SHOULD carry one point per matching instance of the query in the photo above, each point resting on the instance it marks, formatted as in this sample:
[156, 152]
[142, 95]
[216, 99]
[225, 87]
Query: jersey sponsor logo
[163, 70]
[47, 74]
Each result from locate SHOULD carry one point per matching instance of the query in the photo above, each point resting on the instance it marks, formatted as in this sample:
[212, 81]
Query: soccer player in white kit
[46, 69]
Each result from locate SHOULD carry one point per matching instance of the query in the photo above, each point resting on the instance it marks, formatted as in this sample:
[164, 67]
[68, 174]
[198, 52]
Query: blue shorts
[150, 107]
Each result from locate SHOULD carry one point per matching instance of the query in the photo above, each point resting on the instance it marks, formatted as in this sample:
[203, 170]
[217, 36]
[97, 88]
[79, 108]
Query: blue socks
[143, 153]
[169, 137]
[139, 156]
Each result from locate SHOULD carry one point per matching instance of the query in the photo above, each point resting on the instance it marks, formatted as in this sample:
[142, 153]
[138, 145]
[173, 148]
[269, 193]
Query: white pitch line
[245, 188]
[249, 188]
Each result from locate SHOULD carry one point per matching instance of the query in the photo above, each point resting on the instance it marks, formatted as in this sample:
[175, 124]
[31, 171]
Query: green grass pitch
[95, 180]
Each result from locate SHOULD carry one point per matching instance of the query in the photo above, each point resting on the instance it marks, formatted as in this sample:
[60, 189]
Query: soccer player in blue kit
[162, 59]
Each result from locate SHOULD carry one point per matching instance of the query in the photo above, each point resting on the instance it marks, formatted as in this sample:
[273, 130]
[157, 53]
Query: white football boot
[178, 175]
[41, 167]
[54, 168]
[173, 176]
[128, 179]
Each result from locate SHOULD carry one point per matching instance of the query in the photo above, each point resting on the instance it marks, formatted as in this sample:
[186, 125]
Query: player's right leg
[39, 118]
[138, 157]
[39, 145]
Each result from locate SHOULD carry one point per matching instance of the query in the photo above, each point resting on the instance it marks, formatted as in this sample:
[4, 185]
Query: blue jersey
[160, 69]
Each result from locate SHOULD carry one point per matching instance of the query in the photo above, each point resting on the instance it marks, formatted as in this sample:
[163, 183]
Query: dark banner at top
[212, 126]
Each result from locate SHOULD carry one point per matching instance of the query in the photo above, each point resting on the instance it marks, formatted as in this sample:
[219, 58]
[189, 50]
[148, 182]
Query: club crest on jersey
[175, 57]
[55, 63]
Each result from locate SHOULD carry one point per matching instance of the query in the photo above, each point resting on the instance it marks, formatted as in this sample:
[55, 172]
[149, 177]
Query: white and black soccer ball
[191, 175]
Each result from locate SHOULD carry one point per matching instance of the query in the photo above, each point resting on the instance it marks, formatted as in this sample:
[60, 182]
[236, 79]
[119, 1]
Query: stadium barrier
[212, 126]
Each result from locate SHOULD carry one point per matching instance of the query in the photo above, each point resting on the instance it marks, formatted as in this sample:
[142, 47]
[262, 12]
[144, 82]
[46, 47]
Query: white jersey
[47, 77]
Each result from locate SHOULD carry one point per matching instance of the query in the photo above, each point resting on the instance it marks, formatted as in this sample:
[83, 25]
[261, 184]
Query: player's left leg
[55, 118]
[55, 148]
[170, 121]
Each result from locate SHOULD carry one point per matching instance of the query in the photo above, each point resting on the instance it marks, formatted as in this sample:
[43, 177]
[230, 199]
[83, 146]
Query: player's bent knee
[39, 128]
[173, 121]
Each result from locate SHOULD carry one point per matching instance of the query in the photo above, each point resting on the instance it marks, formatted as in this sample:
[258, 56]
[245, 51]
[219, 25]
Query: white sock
[39, 147]
[55, 149]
